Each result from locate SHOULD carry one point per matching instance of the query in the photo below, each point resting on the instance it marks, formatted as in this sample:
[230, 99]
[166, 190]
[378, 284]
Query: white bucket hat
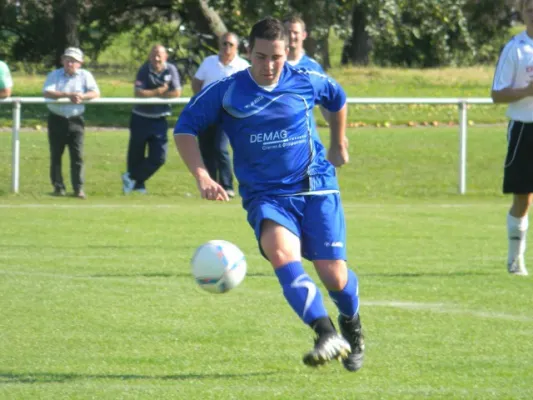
[75, 53]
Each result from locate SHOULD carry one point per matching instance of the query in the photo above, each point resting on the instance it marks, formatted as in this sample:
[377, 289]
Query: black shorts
[518, 168]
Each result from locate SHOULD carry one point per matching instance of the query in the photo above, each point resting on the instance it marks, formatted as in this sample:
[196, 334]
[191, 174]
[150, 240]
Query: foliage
[428, 33]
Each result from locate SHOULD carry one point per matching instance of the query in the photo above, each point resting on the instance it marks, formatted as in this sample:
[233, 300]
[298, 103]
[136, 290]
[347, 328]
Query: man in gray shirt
[65, 121]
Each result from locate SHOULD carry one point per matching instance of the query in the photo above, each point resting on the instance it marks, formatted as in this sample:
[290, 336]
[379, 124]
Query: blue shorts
[318, 220]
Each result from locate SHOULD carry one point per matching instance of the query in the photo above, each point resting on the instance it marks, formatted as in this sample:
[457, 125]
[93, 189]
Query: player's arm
[510, 95]
[505, 76]
[338, 148]
[189, 151]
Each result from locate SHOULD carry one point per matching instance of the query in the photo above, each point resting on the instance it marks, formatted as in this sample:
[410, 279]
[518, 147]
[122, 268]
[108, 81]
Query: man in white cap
[65, 121]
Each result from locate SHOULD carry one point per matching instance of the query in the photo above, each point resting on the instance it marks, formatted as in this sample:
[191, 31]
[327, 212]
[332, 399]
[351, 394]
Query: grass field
[97, 301]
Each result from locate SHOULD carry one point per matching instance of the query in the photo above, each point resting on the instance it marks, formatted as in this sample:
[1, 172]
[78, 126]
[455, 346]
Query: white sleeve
[90, 83]
[505, 73]
[202, 71]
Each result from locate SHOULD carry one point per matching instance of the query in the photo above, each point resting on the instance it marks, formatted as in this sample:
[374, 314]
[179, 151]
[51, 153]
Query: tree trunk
[357, 48]
[65, 22]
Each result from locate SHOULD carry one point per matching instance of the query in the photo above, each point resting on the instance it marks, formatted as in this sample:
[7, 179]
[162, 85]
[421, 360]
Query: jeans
[66, 132]
[213, 144]
[146, 132]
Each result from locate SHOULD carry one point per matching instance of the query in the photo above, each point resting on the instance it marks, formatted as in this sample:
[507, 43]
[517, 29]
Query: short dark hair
[269, 29]
[294, 19]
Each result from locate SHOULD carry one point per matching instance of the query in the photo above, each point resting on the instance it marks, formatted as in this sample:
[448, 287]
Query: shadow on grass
[47, 377]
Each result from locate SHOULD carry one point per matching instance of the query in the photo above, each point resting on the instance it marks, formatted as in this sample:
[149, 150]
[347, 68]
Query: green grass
[97, 301]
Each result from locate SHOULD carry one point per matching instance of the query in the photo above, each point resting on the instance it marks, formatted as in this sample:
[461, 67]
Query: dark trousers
[214, 148]
[146, 133]
[63, 132]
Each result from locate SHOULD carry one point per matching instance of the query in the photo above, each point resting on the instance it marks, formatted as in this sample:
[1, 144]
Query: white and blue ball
[218, 266]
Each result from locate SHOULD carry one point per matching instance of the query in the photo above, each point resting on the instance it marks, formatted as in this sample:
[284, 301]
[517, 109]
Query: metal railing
[460, 102]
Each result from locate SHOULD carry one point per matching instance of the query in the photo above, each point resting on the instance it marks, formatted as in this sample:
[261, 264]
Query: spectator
[148, 123]
[295, 27]
[65, 121]
[214, 142]
[6, 83]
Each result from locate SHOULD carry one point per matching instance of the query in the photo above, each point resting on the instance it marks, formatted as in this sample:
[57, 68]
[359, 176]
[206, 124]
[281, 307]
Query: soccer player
[513, 84]
[289, 187]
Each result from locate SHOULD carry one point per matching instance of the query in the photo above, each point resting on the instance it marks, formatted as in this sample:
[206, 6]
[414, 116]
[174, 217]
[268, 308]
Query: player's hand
[338, 155]
[210, 190]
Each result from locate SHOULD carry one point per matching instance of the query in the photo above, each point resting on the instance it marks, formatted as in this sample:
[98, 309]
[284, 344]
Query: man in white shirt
[65, 121]
[214, 142]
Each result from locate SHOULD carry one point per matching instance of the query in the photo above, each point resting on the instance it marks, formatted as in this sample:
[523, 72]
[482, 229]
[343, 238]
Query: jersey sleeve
[203, 110]
[50, 82]
[6, 81]
[505, 73]
[175, 83]
[140, 79]
[201, 71]
[90, 83]
[328, 92]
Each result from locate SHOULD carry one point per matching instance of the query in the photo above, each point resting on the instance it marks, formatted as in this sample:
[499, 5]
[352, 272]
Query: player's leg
[324, 242]
[282, 248]
[518, 180]
[57, 143]
[517, 227]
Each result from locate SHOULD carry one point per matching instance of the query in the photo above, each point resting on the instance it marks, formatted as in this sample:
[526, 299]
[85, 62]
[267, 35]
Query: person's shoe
[518, 267]
[80, 194]
[231, 193]
[141, 190]
[127, 183]
[327, 348]
[353, 333]
[59, 192]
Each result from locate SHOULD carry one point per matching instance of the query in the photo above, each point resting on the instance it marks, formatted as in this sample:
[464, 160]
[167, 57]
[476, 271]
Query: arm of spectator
[196, 85]
[157, 92]
[6, 92]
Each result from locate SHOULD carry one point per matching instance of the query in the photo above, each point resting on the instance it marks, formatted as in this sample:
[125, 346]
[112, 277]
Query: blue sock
[301, 292]
[347, 299]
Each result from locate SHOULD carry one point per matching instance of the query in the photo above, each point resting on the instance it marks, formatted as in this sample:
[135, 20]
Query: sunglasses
[228, 44]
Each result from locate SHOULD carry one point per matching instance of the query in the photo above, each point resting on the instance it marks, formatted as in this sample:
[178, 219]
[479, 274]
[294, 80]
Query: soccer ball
[218, 266]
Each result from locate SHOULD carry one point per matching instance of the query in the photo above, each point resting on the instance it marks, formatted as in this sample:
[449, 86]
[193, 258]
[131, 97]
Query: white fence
[460, 102]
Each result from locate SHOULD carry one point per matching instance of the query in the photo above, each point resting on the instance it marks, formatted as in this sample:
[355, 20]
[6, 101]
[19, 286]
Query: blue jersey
[307, 62]
[276, 148]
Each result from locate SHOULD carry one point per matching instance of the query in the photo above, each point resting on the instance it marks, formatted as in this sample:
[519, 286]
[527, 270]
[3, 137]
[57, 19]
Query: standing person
[148, 123]
[6, 83]
[65, 121]
[288, 185]
[295, 27]
[214, 142]
[513, 84]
